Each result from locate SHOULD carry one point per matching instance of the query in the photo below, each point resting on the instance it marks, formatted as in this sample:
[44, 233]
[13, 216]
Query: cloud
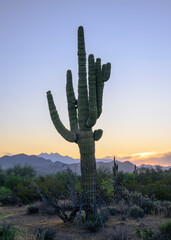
[163, 159]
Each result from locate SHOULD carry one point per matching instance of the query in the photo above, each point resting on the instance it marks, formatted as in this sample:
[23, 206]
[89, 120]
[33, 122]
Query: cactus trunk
[86, 145]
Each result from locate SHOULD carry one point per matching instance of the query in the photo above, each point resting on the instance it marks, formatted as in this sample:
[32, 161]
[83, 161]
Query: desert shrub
[7, 231]
[2, 176]
[107, 189]
[116, 234]
[165, 229]
[105, 184]
[12, 181]
[93, 225]
[130, 181]
[103, 215]
[144, 234]
[9, 200]
[25, 172]
[136, 212]
[55, 183]
[161, 189]
[113, 211]
[80, 220]
[5, 191]
[45, 234]
[25, 193]
[96, 221]
[123, 208]
[144, 202]
[166, 207]
[32, 209]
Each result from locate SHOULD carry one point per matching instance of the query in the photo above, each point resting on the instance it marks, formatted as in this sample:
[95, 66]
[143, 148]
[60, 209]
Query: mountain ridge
[46, 166]
[49, 166]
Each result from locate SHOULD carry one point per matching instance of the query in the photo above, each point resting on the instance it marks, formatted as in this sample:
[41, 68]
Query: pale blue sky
[38, 44]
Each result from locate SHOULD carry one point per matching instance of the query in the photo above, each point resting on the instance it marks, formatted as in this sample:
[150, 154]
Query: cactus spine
[84, 112]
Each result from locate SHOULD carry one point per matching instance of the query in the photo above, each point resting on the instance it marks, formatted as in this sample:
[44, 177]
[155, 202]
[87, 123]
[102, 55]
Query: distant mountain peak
[57, 157]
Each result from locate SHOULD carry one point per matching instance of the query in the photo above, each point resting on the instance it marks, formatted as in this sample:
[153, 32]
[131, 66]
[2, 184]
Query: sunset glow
[39, 44]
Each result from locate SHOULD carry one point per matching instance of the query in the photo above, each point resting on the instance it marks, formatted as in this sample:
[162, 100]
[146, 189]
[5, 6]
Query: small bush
[93, 225]
[32, 209]
[8, 200]
[166, 209]
[80, 220]
[143, 201]
[136, 212]
[5, 191]
[103, 215]
[45, 234]
[7, 231]
[144, 234]
[165, 229]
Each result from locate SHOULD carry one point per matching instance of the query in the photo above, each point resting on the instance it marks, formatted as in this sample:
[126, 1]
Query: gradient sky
[38, 44]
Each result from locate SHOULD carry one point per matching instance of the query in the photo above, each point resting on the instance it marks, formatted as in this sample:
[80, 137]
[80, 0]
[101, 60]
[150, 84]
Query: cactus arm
[92, 93]
[66, 134]
[100, 86]
[106, 69]
[72, 112]
[102, 75]
[97, 134]
[83, 110]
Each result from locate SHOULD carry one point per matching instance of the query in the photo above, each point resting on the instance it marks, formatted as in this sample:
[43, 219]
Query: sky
[38, 44]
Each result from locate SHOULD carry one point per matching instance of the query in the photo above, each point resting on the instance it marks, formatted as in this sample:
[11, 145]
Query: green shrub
[25, 193]
[5, 191]
[136, 212]
[144, 234]
[143, 201]
[93, 225]
[107, 189]
[166, 208]
[96, 221]
[7, 231]
[32, 209]
[9, 200]
[45, 234]
[12, 181]
[25, 172]
[165, 229]
[103, 215]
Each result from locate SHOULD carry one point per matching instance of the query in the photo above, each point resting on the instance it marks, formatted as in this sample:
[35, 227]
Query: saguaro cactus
[83, 112]
[115, 176]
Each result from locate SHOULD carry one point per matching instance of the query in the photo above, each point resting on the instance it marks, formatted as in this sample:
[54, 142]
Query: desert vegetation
[128, 210]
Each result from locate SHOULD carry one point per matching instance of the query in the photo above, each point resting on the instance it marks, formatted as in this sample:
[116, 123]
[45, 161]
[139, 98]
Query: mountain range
[48, 166]
[51, 163]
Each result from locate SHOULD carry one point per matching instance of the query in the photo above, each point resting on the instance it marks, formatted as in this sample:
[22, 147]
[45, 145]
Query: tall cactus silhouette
[83, 112]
